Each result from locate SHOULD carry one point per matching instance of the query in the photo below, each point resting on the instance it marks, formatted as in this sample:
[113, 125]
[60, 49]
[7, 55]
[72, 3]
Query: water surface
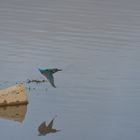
[96, 43]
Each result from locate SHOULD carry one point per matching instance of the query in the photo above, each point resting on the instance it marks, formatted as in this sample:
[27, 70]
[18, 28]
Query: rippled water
[96, 43]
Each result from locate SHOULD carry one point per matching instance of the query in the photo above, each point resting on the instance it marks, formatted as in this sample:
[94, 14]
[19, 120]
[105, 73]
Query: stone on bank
[14, 95]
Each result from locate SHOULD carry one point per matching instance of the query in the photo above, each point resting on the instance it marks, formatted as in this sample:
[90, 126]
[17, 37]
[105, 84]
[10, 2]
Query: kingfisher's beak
[59, 69]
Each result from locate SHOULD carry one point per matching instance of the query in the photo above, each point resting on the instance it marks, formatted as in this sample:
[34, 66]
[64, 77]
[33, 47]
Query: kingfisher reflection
[44, 128]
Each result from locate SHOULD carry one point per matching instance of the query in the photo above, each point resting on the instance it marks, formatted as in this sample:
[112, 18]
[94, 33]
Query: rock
[14, 95]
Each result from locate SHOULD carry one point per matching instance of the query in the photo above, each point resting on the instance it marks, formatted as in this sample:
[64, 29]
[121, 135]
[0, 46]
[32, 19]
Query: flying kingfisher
[48, 73]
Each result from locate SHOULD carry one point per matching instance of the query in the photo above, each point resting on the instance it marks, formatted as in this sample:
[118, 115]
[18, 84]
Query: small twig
[35, 81]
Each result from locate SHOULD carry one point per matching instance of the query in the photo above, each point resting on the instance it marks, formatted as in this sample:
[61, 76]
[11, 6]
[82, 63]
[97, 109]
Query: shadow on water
[44, 128]
[14, 113]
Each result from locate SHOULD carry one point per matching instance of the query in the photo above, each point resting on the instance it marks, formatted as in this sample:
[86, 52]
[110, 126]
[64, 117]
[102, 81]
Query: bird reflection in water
[44, 128]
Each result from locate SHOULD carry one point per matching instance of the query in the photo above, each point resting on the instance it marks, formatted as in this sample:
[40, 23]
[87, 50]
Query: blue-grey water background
[97, 44]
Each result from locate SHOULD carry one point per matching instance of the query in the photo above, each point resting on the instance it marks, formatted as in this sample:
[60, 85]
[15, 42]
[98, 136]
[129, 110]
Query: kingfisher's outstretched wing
[51, 79]
[49, 75]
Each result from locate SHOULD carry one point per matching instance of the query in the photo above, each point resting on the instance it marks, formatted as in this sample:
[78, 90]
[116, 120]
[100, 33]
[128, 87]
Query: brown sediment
[17, 103]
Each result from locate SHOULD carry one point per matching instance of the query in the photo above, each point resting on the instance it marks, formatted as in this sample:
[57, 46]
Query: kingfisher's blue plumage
[48, 73]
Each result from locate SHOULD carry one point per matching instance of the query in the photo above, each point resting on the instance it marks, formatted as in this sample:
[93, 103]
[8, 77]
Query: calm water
[97, 44]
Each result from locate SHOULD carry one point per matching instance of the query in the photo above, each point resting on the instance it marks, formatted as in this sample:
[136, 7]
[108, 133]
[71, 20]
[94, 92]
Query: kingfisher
[48, 73]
